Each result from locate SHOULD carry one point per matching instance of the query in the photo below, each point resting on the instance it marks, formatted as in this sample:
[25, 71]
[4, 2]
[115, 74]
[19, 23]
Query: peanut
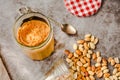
[70, 55]
[118, 74]
[80, 41]
[96, 41]
[92, 45]
[67, 52]
[115, 77]
[68, 60]
[86, 46]
[104, 67]
[82, 60]
[78, 52]
[82, 69]
[116, 60]
[112, 62]
[107, 79]
[99, 74]
[87, 35]
[87, 78]
[86, 65]
[92, 77]
[99, 59]
[109, 59]
[79, 63]
[88, 56]
[97, 64]
[98, 54]
[91, 73]
[117, 65]
[94, 56]
[92, 38]
[74, 68]
[87, 59]
[90, 52]
[115, 71]
[87, 39]
[84, 52]
[75, 54]
[106, 75]
[75, 75]
[106, 71]
[93, 68]
[78, 68]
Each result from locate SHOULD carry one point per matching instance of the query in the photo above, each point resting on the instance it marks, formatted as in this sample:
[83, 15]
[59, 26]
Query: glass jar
[42, 50]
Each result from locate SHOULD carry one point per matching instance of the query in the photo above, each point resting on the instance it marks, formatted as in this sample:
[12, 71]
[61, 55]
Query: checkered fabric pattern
[83, 8]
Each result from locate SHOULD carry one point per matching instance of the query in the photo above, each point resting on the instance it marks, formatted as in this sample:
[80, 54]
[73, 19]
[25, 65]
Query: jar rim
[34, 14]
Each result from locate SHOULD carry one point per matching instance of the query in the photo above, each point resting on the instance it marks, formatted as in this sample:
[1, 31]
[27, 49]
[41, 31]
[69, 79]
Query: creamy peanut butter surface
[33, 32]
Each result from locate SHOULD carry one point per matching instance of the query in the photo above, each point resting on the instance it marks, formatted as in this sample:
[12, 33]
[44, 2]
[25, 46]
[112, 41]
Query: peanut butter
[33, 33]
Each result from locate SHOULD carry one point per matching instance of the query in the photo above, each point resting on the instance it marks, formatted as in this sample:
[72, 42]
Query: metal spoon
[67, 28]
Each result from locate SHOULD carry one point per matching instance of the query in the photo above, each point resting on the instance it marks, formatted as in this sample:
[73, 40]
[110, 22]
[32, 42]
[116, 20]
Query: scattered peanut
[80, 61]
[90, 51]
[106, 75]
[70, 55]
[92, 45]
[99, 74]
[75, 54]
[96, 41]
[67, 52]
[98, 54]
[87, 39]
[86, 65]
[87, 35]
[68, 60]
[92, 38]
[94, 56]
[80, 41]
[115, 71]
[75, 75]
[78, 52]
[112, 62]
[104, 67]
[97, 64]
[107, 79]
[75, 46]
[91, 73]
[88, 55]
[116, 60]
[106, 71]
[99, 59]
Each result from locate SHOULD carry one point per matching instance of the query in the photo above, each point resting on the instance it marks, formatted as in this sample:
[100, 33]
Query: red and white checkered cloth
[82, 8]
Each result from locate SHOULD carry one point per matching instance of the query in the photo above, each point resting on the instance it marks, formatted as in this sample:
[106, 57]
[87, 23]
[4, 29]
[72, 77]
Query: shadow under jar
[33, 32]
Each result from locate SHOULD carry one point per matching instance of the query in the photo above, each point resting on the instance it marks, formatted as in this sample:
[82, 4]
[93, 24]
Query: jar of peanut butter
[34, 33]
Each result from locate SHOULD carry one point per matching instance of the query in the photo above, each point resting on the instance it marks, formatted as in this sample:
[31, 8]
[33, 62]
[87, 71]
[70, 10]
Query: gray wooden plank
[3, 72]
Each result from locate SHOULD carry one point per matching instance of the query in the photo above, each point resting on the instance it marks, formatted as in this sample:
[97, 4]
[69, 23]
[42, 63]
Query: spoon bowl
[69, 29]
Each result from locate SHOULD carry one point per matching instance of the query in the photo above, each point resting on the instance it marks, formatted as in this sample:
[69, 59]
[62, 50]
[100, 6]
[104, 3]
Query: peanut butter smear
[33, 33]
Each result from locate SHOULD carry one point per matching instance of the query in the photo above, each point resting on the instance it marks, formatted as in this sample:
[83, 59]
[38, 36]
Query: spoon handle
[57, 23]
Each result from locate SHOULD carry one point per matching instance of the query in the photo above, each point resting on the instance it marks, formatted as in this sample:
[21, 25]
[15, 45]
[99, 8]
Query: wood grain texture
[3, 72]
